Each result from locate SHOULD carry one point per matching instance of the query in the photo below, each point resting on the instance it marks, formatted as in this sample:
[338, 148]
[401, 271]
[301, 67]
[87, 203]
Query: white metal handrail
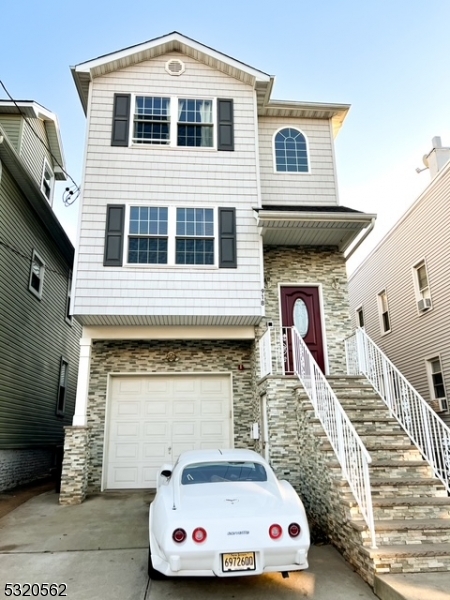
[424, 427]
[347, 445]
[265, 354]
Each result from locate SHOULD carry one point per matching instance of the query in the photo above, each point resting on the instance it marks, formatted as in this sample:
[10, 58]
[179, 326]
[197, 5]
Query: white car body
[236, 516]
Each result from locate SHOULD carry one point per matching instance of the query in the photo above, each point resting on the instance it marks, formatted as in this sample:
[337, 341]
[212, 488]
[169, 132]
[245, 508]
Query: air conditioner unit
[443, 404]
[424, 304]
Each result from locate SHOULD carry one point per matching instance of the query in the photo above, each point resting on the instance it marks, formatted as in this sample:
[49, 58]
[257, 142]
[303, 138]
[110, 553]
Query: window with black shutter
[227, 238]
[115, 215]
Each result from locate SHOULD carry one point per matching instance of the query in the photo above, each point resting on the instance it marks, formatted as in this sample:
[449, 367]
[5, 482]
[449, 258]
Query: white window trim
[37, 293]
[357, 310]
[428, 360]
[274, 158]
[52, 182]
[68, 316]
[420, 295]
[171, 237]
[173, 125]
[380, 312]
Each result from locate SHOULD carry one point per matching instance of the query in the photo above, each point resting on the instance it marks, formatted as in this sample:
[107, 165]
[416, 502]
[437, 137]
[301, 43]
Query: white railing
[347, 445]
[265, 354]
[424, 427]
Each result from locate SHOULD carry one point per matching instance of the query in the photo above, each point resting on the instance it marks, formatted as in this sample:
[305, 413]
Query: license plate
[238, 561]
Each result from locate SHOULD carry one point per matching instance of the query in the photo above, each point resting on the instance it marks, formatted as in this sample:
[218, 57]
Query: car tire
[152, 572]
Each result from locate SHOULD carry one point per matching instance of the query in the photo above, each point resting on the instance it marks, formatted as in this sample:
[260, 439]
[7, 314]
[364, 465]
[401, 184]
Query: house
[39, 340]
[209, 212]
[211, 285]
[399, 293]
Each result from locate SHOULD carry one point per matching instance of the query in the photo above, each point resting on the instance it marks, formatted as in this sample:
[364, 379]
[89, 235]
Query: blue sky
[387, 58]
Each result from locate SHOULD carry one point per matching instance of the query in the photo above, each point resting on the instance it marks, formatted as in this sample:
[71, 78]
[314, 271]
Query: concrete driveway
[99, 550]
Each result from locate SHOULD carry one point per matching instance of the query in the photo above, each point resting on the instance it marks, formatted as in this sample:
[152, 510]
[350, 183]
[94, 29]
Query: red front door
[300, 308]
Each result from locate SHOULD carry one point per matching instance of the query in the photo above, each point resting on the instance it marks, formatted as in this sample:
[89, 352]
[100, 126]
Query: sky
[387, 58]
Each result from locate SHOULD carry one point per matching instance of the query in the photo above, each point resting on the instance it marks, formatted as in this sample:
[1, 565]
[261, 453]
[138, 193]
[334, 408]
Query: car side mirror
[166, 473]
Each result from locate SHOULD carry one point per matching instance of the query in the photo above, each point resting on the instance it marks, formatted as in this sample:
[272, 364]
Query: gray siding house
[208, 212]
[399, 293]
[39, 340]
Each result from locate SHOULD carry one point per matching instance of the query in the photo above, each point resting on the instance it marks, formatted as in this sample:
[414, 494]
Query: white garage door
[152, 419]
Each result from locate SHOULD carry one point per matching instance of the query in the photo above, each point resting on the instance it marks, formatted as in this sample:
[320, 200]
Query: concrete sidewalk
[99, 549]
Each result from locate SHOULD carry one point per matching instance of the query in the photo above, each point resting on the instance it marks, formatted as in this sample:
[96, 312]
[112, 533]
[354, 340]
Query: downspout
[361, 239]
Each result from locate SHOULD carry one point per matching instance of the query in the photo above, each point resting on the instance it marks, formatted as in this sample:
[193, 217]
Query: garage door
[152, 419]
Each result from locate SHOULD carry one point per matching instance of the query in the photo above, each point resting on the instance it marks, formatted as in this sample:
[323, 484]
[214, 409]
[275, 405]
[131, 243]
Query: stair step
[409, 550]
[412, 501]
[403, 524]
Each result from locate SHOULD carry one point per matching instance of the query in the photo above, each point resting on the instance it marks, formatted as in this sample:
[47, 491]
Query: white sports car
[224, 513]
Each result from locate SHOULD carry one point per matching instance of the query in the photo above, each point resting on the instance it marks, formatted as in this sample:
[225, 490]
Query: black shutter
[227, 238]
[115, 215]
[225, 138]
[121, 120]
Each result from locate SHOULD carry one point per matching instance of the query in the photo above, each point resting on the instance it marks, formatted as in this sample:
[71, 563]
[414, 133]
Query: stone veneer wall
[74, 469]
[19, 466]
[325, 494]
[148, 357]
[310, 265]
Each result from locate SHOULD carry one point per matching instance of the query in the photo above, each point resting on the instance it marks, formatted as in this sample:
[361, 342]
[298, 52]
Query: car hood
[227, 498]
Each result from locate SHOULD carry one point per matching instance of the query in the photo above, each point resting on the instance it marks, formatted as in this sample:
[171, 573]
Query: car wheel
[152, 572]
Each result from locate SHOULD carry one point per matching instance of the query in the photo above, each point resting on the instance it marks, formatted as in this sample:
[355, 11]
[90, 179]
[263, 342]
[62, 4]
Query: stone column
[75, 465]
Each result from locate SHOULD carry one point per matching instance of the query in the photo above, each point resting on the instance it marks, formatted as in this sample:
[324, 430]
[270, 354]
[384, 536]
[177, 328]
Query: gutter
[360, 240]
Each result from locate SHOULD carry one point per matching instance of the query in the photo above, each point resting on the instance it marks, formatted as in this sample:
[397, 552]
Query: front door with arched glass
[300, 308]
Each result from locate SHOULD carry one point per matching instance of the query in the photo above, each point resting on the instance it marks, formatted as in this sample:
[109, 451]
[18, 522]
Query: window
[48, 180]
[151, 120]
[436, 380]
[171, 236]
[37, 270]
[359, 317]
[147, 243]
[195, 123]
[421, 287]
[173, 121]
[291, 153]
[195, 236]
[223, 471]
[69, 295]
[62, 387]
[383, 310]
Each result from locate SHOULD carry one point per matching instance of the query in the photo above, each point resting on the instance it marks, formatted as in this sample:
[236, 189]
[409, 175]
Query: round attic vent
[174, 66]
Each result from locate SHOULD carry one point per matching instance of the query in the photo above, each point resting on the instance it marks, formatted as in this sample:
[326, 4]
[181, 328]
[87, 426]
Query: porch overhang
[336, 226]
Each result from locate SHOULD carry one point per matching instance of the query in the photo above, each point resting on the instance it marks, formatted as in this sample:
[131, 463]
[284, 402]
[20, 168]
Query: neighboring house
[400, 292]
[209, 218]
[39, 340]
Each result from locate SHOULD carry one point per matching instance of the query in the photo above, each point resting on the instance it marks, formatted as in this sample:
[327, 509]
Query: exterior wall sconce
[171, 357]
[241, 367]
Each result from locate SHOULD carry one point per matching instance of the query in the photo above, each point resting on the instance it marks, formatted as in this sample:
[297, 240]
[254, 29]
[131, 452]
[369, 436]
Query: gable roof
[33, 110]
[85, 72]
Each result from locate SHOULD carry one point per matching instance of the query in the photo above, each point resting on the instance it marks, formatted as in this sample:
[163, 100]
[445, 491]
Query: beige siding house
[208, 212]
[400, 291]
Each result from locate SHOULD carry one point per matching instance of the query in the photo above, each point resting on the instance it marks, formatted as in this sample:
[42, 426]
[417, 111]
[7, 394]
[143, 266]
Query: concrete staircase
[411, 507]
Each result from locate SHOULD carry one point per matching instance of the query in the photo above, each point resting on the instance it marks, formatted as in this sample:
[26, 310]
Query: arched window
[291, 153]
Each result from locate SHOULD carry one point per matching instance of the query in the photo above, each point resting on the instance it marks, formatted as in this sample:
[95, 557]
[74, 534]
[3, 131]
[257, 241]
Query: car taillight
[199, 535]
[294, 529]
[275, 532]
[179, 535]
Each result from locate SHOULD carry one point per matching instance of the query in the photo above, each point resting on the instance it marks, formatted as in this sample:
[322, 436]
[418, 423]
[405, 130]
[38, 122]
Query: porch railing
[423, 426]
[265, 354]
[353, 456]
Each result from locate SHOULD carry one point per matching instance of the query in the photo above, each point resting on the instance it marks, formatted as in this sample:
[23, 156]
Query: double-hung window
[421, 286]
[436, 380]
[195, 123]
[48, 181]
[195, 236]
[36, 281]
[148, 235]
[383, 310]
[151, 120]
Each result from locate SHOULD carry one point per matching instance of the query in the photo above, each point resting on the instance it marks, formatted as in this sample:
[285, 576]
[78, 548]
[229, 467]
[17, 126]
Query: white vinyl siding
[32, 150]
[318, 186]
[11, 125]
[422, 232]
[161, 175]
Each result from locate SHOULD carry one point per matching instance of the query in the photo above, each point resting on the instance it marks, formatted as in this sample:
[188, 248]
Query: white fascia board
[265, 215]
[86, 67]
[184, 332]
[331, 108]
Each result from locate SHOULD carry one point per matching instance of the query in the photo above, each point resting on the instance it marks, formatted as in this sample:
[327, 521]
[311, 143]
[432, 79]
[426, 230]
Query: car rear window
[216, 472]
